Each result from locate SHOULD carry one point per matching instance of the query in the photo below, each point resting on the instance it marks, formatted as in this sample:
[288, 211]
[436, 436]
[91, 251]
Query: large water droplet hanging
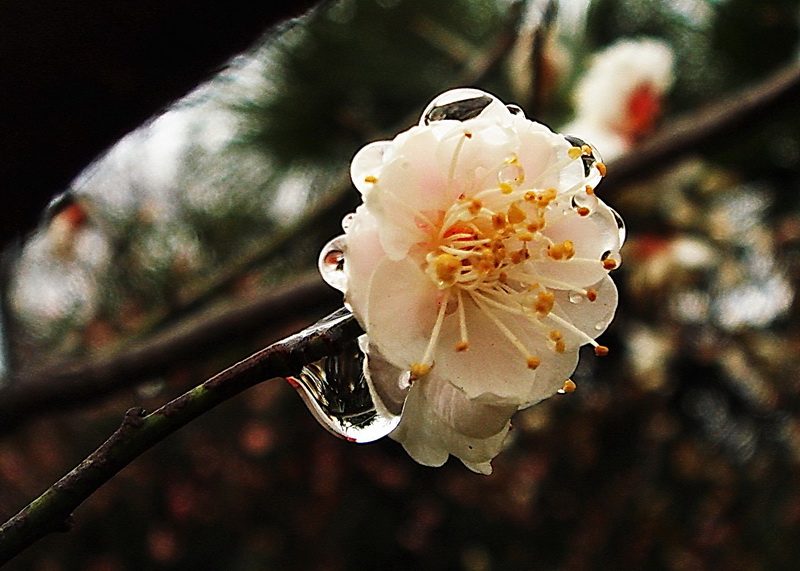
[338, 395]
[457, 104]
[331, 263]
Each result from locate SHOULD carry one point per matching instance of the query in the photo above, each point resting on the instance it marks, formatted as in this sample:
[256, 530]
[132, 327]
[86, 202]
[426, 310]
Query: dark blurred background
[679, 451]
[77, 76]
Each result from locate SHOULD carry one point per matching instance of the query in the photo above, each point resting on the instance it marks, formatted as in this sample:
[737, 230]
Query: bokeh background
[193, 242]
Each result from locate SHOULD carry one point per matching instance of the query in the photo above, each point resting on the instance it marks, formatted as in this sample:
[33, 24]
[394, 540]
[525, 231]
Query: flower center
[482, 255]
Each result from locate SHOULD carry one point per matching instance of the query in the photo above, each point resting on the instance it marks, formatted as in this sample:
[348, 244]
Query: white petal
[429, 438]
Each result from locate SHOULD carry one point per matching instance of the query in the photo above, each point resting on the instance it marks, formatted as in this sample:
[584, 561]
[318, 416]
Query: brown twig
[65, 386]
[75, 384]
[706, 125]
[52, 511]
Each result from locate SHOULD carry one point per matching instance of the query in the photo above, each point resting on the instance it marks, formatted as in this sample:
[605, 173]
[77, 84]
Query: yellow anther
[533, 363]
[569, 386]
[583, 211]
[602, 168]
[589, 189]
[475, 206]
[515, 214]
[556, 335]
[587, 150]
[506, 188]
[370, 179]
[419, 370]
[499, 221]
[556, 251]
[560, 346]
[569, 249]
[530, 196]
[591, 294]
[609, 264]
[446, 267]
[462, 346]
[544, 302]
[574, 152]
[601, 350]
[525, 237]
[518, 256]
[468, 135]
[502, 278]
[536, 225]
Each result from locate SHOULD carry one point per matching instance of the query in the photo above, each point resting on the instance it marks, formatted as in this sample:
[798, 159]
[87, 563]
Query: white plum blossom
[619, 99]
[478, 266]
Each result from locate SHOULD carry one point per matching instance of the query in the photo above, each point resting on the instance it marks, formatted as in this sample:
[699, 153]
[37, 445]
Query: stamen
[602, 168]
[569, 387]
[417, 371]
[502, 327]
[515, 214]
[370, 179]
[437, 329]
[451, 173]
[463, 345]
[609, 264]
[601, 350]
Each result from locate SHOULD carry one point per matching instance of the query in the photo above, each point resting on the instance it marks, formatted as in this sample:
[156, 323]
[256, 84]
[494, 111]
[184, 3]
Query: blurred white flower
[478, 266]
[619, 99]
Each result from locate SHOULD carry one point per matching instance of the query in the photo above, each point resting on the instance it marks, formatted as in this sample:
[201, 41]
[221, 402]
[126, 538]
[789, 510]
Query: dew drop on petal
[612, 258]
[347, 220]
[620, 226]
[576, 297]
[584, 200]
[512, 174]
[331, 263]
[457, 104]
[336, 392]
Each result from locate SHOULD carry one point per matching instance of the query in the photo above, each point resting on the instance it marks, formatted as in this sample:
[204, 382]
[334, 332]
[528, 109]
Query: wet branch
[73, 384]
[52, 511]
[706, 126]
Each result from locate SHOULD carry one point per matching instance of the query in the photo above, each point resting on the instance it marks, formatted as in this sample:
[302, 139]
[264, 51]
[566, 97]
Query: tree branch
[706, 125]
[52, 511]
[74, 384]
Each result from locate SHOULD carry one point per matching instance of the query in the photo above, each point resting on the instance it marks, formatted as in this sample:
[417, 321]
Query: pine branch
[52, 511]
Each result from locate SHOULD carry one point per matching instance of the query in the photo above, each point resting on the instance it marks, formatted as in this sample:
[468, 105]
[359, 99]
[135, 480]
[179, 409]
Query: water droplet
[336, 392]
[600, 325]
[331, 263]
[457, 104]
[515, 109]
[620, 227]
[582, 199]
[512, 174]
[347, 220]
[576, 297]
[615, 257]
[589, 159]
